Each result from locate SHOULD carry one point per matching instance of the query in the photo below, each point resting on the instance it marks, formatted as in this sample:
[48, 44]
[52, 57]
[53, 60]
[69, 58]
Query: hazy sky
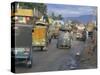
[69, 10]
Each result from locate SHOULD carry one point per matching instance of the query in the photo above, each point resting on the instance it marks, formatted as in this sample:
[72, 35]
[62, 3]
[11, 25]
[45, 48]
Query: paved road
[54, 59]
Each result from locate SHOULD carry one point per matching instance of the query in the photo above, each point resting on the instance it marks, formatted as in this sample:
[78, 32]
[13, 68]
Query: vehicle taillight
[16, 18]
[27, 49]
[27, 18]
[15, 28]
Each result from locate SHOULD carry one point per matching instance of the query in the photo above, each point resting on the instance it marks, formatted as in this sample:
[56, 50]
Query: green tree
[60, 17]
[53, 16]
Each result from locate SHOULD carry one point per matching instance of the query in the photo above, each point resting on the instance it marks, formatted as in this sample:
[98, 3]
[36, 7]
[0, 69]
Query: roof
[22, 12]
[41, 23]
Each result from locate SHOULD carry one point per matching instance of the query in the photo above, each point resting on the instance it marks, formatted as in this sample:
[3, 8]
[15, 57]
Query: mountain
[83, 19]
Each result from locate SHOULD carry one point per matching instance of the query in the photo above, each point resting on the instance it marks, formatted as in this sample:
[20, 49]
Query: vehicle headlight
[27, 50]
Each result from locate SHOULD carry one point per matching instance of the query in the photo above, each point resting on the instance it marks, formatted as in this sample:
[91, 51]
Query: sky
[69, 10]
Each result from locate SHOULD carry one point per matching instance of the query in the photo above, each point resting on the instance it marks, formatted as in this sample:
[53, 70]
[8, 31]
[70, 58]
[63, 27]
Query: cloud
[64, 12]
[70, 10]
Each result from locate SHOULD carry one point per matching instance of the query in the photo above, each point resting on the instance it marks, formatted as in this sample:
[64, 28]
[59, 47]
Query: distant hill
[83, 19]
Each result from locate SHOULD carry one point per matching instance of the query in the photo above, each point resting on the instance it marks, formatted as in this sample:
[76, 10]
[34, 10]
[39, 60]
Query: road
[54, 59]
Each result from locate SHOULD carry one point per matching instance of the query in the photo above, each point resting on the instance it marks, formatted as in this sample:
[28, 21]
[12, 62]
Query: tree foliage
[58, 17]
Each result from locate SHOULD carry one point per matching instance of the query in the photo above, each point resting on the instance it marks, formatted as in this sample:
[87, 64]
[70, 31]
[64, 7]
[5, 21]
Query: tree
[75, 22]
[53, 15]
[60, 17]
[40, 6]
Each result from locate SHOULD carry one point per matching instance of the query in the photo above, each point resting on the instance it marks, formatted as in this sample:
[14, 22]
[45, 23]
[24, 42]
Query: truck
[90, 28]
[39, 36]
[81, 32]
[21, 37]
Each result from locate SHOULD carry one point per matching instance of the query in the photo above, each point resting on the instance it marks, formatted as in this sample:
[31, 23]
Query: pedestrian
[86, 34]
[77, 58]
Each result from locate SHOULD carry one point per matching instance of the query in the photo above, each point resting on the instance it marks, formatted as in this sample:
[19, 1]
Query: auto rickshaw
[21, 36]
[64, 39]
[39, 36]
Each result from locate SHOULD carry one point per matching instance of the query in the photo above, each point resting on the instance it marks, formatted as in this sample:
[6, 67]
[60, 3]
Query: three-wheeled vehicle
[39, 36]
[64, 39]
[21, 37]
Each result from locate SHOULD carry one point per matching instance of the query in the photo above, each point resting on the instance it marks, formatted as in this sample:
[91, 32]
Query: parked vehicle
[39, 36]
[81, 32]
[64, 39]
[21, 36]
[68, 27]
[90, 27]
